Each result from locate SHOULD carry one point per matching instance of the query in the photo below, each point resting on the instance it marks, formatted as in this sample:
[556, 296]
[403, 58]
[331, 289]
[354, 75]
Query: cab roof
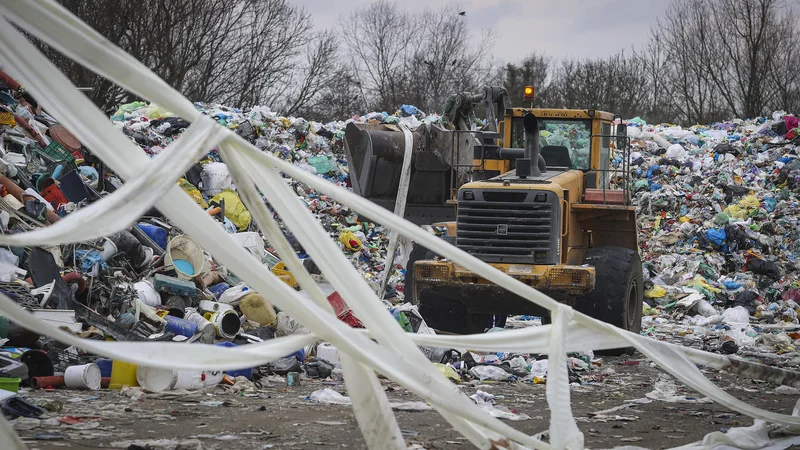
[560, 113]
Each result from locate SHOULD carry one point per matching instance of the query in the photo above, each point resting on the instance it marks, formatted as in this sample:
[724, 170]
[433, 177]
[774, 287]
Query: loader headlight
[469, 195]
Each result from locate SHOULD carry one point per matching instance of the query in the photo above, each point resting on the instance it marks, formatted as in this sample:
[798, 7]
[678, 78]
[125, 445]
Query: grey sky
[561, 28]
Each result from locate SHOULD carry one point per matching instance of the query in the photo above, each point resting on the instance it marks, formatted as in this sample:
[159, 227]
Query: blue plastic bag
[716, 236]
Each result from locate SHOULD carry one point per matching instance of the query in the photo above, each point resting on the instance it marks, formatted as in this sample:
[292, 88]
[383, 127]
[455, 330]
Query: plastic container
[10, 384]
[123, 374]
[189, 379]
[257, 309]
[204, 327]
[105, 367]
[157, 234]
[207, 306]
[54, 196]
[219, 289]
[155, 379]
[180, 327]
[226, 323]
[247, 373]
[109, 249]
[186, 256]
[329, 353]
[147, 293]
[85, 376]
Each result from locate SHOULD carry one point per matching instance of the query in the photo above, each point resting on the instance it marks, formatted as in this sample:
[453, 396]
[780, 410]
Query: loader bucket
[375, 157]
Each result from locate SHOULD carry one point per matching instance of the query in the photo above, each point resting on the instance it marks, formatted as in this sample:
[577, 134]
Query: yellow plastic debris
[193, 192]
[449, 372]
[235, 210]
[749, 202]
[350, 240]
[656, 292]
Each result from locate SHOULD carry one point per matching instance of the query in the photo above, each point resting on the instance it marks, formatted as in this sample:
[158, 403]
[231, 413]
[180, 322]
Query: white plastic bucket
[156, 380]
[86, 376]
[189, 379]
[187, 254]
[147, 293]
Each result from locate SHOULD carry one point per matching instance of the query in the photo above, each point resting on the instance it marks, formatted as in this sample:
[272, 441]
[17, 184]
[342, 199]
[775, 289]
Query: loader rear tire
[618, 294]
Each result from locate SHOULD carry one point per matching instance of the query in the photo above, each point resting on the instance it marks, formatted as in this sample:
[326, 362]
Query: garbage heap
[151, 282]
[718, 221]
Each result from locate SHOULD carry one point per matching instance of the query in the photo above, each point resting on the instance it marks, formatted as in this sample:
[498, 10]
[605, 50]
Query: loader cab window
[574, 134]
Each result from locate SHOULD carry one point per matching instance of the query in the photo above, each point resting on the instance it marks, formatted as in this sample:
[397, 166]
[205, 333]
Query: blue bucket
[157, 234]
[247, 373]
[105, 367]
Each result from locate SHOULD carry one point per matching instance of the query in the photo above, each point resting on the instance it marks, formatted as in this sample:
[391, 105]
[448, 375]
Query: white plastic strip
[82, 44]
[134, 198]
[374, 413]
[564, 433]
[399, 208]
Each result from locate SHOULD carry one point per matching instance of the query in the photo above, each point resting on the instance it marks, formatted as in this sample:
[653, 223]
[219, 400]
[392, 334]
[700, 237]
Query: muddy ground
[277, 416]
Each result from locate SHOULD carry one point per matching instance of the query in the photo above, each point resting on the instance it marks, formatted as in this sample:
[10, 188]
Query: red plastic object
[54, 196]
[339, 306]
[351, 320]
[47, 382]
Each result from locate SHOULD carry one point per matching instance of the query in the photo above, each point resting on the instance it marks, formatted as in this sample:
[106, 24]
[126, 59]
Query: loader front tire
[618, 294]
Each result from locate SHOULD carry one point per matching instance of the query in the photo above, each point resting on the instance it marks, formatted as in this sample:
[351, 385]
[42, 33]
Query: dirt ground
[280, 417]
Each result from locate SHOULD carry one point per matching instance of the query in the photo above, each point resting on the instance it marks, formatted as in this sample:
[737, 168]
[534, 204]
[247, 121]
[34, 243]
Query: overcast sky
[561, 28]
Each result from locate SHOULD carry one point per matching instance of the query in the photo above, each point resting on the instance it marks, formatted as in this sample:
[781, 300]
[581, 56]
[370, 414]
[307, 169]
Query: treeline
[705, 60]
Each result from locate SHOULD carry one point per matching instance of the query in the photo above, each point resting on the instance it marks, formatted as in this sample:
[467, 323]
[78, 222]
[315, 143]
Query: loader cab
[569, 139]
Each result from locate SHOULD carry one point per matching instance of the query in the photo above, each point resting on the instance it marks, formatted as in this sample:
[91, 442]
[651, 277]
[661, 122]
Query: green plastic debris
[323, 164]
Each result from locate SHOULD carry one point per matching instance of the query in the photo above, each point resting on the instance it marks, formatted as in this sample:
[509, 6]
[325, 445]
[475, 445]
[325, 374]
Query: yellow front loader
[543, 196]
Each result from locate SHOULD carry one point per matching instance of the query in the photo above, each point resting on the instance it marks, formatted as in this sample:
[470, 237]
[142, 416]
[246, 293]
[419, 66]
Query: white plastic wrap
[397, 355]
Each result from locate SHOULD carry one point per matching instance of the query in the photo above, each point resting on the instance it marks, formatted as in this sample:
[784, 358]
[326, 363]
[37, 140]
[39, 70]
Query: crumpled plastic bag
[216, 178]
[656, 292]
[493, 373]
[676, 151]
[318, 368]
[350, 240]
[449, 372]
[284, 365]
[736, 315]
[235, 210]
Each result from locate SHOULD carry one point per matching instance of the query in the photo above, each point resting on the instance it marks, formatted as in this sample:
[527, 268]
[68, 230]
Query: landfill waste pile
[718, 219]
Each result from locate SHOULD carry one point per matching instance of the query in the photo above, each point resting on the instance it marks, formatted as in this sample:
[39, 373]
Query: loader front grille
[517, 230]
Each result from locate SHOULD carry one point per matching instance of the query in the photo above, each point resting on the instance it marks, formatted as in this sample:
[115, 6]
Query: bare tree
[414, 58]
[379, 41]
[446, 60]
[239, 52]
[535, 70]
